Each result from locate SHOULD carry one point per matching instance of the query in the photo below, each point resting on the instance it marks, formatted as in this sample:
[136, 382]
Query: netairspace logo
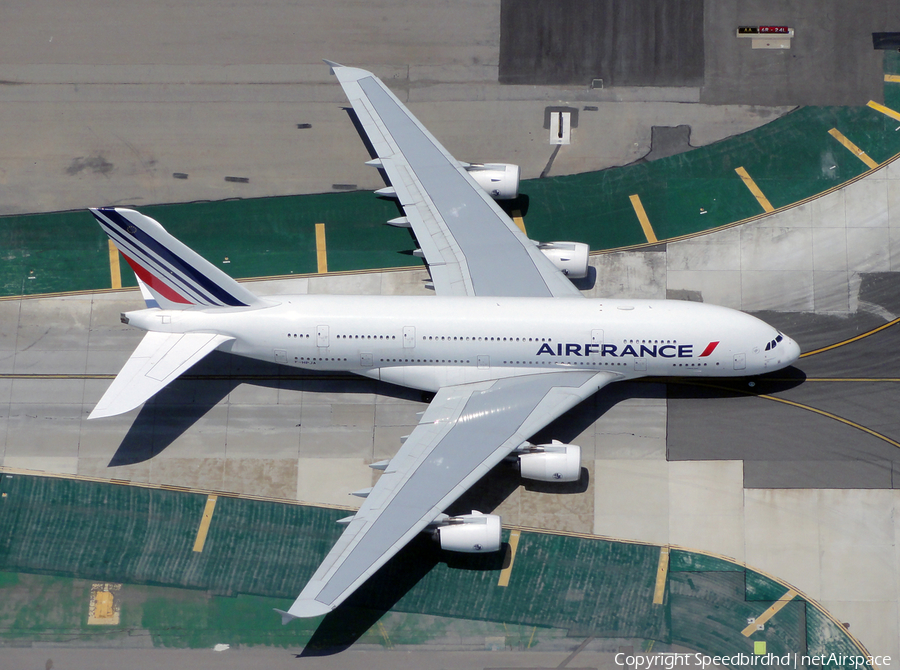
[794, 660]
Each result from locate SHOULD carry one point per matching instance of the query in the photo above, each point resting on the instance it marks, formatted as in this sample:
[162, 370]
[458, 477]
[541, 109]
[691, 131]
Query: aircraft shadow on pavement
[736, 387]
[380, 593]
[180, 405]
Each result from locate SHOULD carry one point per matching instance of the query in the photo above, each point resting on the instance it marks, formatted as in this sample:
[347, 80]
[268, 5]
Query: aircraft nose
[792, 349]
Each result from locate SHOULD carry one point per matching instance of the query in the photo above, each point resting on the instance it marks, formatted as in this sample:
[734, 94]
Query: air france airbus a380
[507, 344]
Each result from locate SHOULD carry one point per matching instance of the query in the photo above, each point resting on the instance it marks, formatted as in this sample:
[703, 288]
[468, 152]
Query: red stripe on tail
[164, 290]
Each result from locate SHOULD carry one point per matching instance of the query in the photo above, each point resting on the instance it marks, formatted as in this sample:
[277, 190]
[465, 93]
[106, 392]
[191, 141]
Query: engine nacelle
[556, 462]
[500, 180]
[474, 533]
[570, 257]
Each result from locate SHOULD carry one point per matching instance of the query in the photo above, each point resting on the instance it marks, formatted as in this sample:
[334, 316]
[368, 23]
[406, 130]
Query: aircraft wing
[465, 431]
[471, 246]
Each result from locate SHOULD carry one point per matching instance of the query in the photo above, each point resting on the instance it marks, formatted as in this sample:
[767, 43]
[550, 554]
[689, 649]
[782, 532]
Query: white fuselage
[427, 342]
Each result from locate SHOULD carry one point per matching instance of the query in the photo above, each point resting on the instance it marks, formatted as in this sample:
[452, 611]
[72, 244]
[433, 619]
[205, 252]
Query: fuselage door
[280, 356]
[640, 365]
[740, 361]
[366, 360]
[409, 337]
[596, 338]
[322, 336]
[484, 362]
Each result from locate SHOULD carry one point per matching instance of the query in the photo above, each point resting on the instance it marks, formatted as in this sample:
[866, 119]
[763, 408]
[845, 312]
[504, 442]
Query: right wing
[159, 359]
[471, 246]
[465, 431]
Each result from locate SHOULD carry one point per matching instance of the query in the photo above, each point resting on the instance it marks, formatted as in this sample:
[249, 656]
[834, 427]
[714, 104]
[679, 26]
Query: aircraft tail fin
[158, 360]
[175, 276]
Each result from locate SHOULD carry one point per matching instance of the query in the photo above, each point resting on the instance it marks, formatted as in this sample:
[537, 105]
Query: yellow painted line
[518, 220]
[204, 523]
[769, 613]
[798, 405]
[855, 150]
[321, 254]
[835, 417]
[754, 189]
[895, 78]
[384, 634]
[513, 545]
[891, 380]
[887, 111]
[642, 217]
[115, 274]
[852, 339]
[531, 639]
[661, 572]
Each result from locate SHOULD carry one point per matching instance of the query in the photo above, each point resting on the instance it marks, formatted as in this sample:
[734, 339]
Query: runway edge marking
[205, 520]
[505, 573]
[776, 607]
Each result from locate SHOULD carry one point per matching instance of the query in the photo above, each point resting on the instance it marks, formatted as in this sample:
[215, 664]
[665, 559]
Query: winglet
[285, 617]
[304, 608]
[331, 64]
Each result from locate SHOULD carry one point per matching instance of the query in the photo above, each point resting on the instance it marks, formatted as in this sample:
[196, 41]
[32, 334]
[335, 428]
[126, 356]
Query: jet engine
[555, 462]
[500, 180]
[570, 257]
[474, 533]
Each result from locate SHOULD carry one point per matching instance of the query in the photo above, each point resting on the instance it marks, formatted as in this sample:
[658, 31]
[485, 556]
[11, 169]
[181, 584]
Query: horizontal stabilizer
[159, 359]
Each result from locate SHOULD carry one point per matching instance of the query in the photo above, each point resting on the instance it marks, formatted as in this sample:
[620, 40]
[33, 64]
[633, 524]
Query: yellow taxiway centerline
[887, 111]
[115, 273]
[829, 415]
[513, 545]
[852, 339]
[518, 220]
[754, 189]
[204, 523]
[321, 255]
[661, 572]
[769, 613]
[855, 150]
[384, 634]
[643, 218]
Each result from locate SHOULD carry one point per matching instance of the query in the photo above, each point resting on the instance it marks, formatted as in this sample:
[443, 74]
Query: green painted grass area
[67, 251]
[56, 534]
[791, 159]
[47, 609]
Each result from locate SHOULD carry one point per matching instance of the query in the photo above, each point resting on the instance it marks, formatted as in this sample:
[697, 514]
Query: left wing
[465, 431]
[471, 246]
